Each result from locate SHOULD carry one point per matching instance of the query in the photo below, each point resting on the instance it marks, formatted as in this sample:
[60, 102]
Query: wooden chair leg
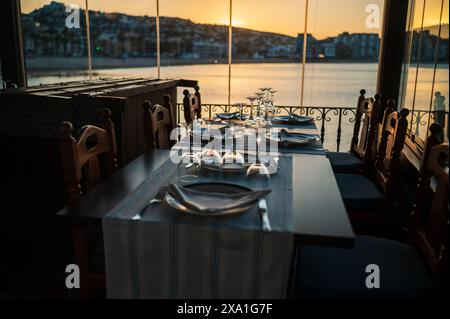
[81, 258]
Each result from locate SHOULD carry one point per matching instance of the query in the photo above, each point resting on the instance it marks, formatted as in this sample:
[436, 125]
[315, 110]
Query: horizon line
[206, 23]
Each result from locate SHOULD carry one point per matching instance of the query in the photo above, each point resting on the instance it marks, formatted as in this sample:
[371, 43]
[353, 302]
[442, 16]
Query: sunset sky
[326, 17]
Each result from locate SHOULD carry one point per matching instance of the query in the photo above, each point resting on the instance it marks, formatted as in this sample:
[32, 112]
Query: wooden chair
[360, 158]
[430, 218]
[168, 105]
[81, 158]
[158, 123]
[192, 105]
[360, 193]
[81, 161]
[417, 269]
[161, 124]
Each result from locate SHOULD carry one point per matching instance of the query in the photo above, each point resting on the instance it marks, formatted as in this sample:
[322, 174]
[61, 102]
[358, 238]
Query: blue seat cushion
[340, 272]
[344, 163]
[97, 257]
[359, 193]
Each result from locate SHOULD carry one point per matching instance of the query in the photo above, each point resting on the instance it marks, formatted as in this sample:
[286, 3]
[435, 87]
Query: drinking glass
[252, 99]
[233, 158]
[258, 169]
[210, 156]
[188, 167]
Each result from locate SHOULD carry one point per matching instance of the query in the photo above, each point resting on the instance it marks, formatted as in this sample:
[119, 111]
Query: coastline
[60, 65]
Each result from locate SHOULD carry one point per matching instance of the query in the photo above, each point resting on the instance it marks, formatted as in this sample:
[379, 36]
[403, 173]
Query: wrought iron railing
[420, 118]
[322, 115]
[339, 120]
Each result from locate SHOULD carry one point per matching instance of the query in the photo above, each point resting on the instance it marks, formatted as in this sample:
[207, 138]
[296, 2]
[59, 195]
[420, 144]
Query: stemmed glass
[188, 167]
[241, 110]
[210, 156]
[258, 169]
[271, 108]
[267, 100]
[252, 99]
[233, 157]
[259, 99]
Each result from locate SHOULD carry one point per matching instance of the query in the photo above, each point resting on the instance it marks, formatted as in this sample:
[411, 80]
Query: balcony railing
[337, 121]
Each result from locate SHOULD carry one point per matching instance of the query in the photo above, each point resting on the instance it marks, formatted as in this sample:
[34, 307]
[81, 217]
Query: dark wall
[35, 243]
[392, 49]
[11, 53]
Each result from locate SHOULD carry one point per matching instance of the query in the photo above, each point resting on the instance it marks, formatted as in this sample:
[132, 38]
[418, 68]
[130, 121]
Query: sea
[325, 85]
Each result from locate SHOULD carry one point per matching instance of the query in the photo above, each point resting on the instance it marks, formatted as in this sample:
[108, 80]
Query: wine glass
[188, 167]
[210, 156]
[259, 98]
[252, 99]
[271, 102]
[258, 169]
[233, 158]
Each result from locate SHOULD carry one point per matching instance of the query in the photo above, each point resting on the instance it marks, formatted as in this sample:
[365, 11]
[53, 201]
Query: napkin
[227, 116]
[294, 118]
[212, 202]
[297, 137]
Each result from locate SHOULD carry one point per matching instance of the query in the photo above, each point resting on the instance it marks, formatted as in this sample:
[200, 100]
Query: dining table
[168, 254]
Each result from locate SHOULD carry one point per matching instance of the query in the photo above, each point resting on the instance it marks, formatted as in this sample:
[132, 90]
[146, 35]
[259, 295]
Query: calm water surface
[326, 84]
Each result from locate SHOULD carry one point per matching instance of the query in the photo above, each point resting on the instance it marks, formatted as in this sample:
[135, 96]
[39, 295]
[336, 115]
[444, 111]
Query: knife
[262, 205]
[158, 199]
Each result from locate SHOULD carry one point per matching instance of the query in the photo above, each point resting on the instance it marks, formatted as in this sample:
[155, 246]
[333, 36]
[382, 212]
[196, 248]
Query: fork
[158, 199]
[264, 211]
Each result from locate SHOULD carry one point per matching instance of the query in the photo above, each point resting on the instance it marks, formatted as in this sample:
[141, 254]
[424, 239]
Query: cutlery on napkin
[285, 135]
[287, 138]
[212, 202]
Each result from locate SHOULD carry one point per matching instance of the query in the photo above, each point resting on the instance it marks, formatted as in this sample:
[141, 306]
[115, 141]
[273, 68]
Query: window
[123, 38]
[265, 49]
[53, 50]
[194, 45]
[424, 86]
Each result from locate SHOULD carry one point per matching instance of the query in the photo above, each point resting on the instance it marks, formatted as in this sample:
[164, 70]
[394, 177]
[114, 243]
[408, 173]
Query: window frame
[414, 142]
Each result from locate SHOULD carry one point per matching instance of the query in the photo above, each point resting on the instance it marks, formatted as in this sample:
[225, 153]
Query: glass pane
[344, 52]
[439, 107]
[427, 55]
[411, 55]
[266, 49]
[194, 45]
[123, 38]
[54, 41]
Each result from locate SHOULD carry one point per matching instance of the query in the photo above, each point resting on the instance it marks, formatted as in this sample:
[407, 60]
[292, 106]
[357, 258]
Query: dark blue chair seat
[339, 272]
[359, 193]
[97, 257]
[345, 163]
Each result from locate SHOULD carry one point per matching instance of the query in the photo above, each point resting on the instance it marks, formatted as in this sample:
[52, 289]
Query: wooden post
[69, 160]
[435, 138]
[358, 117]
[147, 124]
[394, 164]
[109, 127]
[168, 105]
[187, 107]
[199, 100]
[381, 155]
[371, 146]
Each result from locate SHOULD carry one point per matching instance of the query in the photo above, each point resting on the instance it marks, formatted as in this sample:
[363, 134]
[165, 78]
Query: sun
[235, 22]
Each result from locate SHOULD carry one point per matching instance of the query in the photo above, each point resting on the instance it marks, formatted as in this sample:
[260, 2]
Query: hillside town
[116, 35]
